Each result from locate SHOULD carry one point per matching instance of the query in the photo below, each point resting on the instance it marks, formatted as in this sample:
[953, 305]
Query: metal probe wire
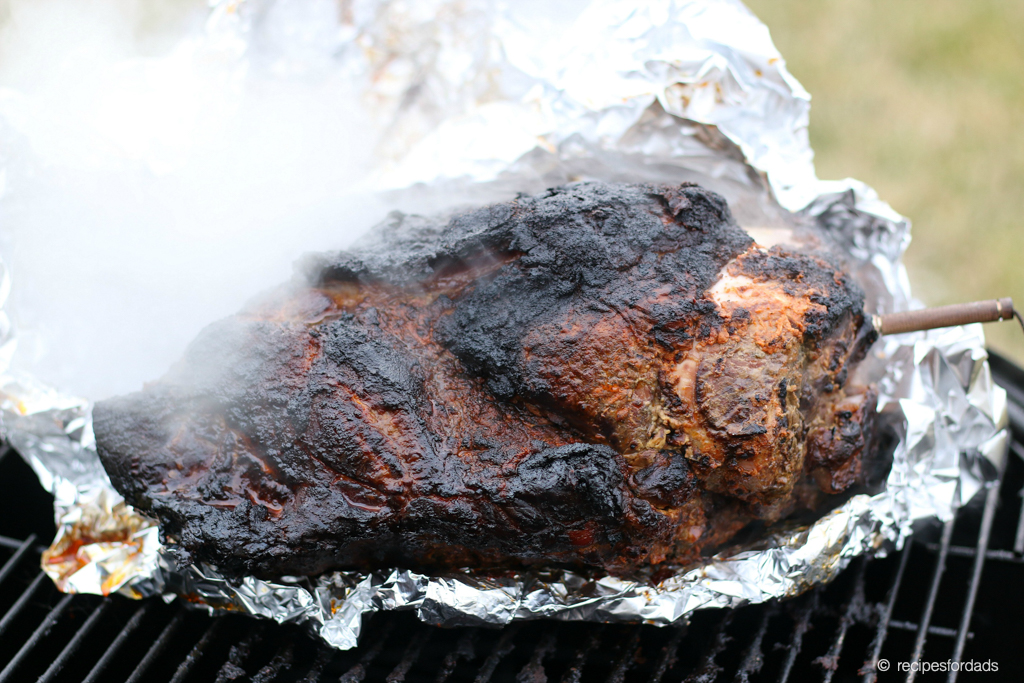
[947, 316]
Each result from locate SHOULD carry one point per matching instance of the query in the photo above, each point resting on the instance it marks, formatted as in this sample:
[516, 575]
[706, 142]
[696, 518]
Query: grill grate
[925, 603]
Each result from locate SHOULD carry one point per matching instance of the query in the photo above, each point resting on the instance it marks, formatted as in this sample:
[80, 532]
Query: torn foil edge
[936, 390]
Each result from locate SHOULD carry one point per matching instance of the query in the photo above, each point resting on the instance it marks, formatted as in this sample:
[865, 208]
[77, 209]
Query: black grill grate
[925, 603]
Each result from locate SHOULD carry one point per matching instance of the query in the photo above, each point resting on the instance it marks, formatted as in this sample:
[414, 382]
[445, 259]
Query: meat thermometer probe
[946, 316]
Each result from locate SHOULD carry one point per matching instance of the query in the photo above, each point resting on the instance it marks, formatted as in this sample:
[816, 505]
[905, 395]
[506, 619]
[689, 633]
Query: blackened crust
[488, 391]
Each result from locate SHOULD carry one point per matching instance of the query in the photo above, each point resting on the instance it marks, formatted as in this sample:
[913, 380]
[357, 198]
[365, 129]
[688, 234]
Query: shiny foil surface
[480, 102]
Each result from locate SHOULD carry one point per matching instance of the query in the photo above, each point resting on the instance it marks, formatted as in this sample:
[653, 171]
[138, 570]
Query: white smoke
[162, 161]
[157, 172]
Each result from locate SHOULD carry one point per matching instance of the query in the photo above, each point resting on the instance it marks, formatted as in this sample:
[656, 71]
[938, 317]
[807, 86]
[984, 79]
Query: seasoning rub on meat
[601, 376]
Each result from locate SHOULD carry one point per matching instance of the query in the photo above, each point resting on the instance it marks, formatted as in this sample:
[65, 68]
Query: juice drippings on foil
[110, 551]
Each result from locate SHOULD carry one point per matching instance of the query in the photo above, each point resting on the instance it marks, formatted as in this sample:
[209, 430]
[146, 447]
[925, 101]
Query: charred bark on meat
[601, 376]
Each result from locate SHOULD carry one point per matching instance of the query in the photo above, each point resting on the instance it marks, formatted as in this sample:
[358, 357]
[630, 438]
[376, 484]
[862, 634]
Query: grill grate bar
[851, 614]
[72, 647]
[11, 563]
[358, 672]
[932, 630]
[669, 656]
[967, 551]
[198, 650]
[41, 632]
[800, 626]
[324, 655]
[12, 613]
[16, 543]
[933, 593]
[158, 646]
[576, 669]
[412, 652]
[239, 654]
[280, 663]
[1014, 409]
[885, 620]
[753, 658]
[1017, 447]
[533, 670]
[626, 658]
[503, 647]
[988, 516]
[709, 668]
[8, 542]
[115, 646]
[1018, 541]
[464, 649]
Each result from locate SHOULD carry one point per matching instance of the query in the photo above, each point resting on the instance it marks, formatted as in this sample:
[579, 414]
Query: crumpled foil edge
[714, 99]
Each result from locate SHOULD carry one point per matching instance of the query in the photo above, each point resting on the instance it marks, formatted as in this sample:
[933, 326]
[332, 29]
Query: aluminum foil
[481, 100]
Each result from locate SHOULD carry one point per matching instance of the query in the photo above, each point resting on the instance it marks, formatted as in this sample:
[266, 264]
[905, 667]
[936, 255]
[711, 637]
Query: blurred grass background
[924, 101]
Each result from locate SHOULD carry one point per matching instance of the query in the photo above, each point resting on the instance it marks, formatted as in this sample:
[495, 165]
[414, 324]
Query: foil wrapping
[481, 100]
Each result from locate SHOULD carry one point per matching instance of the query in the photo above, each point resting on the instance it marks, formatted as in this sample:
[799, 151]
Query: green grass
[924, 100]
